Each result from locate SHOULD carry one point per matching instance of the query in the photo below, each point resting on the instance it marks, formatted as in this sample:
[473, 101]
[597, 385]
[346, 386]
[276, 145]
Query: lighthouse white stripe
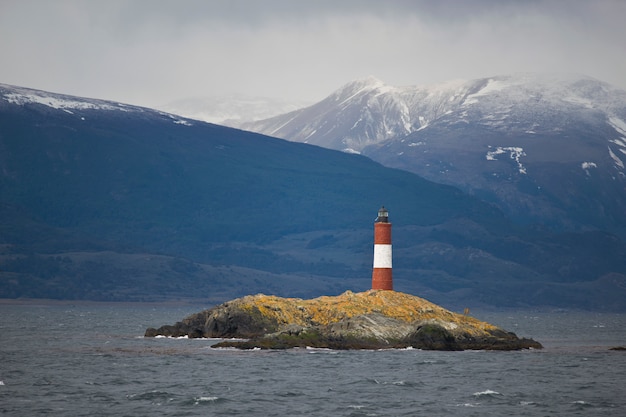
[382, 256]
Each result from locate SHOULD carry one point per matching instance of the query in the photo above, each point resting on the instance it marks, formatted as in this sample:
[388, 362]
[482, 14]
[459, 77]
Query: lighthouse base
[382, 279]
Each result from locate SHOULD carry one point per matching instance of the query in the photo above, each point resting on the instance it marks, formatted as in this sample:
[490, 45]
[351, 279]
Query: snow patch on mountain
[619, 142]
[59, 102]
[586, 166]
[577, 100]
[361, 87]
[21, 96]
[618, 162]
[176, 119]
[515, 153]
[491, 87]
[618, 124]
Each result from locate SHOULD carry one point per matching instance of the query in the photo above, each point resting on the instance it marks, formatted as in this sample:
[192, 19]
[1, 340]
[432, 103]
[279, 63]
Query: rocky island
[374, 319]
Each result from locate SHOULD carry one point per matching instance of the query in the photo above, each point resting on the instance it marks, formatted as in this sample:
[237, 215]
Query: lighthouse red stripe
[382, 279]
[382, 233]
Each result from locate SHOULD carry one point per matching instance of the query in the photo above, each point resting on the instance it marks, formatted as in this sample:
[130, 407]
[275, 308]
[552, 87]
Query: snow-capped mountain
[10, 94]
[232, 110]
[546, 148]
[362, 113]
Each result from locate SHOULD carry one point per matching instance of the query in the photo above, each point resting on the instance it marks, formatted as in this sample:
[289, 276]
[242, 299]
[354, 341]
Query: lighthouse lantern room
[383, 215]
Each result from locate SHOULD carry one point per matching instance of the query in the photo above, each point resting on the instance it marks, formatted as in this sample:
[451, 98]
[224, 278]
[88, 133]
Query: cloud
[152, 52]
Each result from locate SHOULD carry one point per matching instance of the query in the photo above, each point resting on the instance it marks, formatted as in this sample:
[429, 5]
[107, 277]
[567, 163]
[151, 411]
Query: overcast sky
[152, 52]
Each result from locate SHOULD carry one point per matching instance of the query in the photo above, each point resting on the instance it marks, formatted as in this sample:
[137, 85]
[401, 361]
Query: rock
[432, 336]
[370, 326]
[367, 320]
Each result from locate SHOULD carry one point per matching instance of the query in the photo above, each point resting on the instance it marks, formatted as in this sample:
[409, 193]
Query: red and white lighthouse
[381, 273]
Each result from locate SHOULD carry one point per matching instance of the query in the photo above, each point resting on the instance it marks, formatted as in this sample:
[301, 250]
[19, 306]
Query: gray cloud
[152, 52]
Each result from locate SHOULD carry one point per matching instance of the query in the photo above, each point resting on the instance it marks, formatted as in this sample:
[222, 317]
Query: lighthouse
[381, 273]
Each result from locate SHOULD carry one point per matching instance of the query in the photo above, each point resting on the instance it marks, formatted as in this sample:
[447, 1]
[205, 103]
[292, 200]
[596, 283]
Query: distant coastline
[55, 302]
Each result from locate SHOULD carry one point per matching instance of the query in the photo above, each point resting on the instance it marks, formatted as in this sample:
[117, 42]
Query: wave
[467, 405]
[154, 396]
[486, 393]
[327, 351]
[203, 399]
[160, 336]
[398, 383]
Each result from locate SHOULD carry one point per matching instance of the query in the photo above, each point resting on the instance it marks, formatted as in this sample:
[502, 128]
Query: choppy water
[91, 359]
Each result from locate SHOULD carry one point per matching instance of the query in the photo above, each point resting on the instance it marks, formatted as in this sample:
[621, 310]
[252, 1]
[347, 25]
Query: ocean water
[92, 360]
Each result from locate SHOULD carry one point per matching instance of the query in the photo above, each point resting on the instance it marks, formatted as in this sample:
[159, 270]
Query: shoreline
[50, 302]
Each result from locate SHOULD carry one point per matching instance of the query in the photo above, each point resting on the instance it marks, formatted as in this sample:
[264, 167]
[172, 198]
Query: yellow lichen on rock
[331, 309]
